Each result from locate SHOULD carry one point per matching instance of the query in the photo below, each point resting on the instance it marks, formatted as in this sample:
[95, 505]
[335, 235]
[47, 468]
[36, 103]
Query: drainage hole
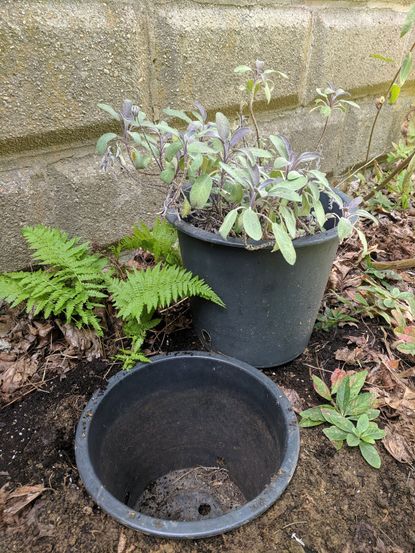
[204, 509]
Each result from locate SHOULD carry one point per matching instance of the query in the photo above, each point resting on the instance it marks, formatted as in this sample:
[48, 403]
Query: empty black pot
[181, 411]
[271, 306]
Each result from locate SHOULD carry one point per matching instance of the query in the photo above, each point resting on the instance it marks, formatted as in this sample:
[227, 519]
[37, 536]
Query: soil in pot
[190, 494]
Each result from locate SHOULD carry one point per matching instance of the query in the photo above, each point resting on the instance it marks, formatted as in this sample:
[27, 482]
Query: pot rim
[173, 218]
[191, 529]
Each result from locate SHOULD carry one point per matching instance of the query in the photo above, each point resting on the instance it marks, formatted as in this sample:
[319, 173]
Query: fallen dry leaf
[81, 340]
[338, 374]
[350, 356]
[404, 403]
[122, 542]
[13, 375]
[296, 401]
[19, 498]
[13, 502]
[399, 440]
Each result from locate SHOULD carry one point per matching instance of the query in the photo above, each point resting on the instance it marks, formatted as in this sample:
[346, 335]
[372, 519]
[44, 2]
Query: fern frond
[160, 240]
[53, 247]
[71, 285]
[145, 291]
[137, 332]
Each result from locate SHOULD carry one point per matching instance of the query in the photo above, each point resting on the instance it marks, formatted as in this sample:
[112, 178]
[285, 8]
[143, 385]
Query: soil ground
[335, 503]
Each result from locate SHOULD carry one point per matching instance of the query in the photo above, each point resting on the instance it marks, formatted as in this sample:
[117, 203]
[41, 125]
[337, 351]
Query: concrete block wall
[61, 57]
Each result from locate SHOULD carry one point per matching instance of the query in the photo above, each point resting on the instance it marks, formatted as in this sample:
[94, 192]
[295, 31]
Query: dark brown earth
[335, 503]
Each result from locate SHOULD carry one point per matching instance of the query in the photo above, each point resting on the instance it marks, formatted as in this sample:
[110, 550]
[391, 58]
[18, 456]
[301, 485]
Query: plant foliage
[257, 189]
[71, 285]
[350, 414]
[145, 291]
[137, 298]
[160, 240]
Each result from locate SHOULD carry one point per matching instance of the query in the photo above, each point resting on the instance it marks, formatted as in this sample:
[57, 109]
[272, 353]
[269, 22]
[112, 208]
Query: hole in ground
[204, 509]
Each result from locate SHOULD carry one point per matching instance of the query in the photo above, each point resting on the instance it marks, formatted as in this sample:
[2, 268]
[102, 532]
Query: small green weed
[350, 414]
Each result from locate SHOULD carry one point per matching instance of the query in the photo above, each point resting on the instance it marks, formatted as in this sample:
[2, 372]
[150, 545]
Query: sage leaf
[409, 21]
[284, 243]
[242, 69]
[344, 228]
[103, 141]
[200, 191]
[319, 212]
[405, 68]
[177, 114]
[186, 209]
[199, 148]
[289, 220]
[252, 225]
[222, 124]
[168, 173]
[114, 114]
[172, 150]
[394, 93]
[228, 223]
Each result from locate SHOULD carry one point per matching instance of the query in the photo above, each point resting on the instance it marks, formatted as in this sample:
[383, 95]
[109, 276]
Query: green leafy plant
[259, 80]
[350, 414]
[393, 186]
[220, 181]
[143, 292]
[71, 285]
[399, 79]
[329, 100]
[332, 317]
[160, 240]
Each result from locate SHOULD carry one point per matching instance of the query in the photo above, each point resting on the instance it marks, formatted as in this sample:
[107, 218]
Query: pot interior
[182, 412]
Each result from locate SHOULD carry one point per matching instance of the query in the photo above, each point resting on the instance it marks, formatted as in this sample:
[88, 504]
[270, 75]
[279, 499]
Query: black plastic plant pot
[184, 412]
[271, 306]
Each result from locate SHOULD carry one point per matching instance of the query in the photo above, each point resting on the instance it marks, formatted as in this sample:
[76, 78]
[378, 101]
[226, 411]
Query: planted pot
[271, 306]
[150, 448]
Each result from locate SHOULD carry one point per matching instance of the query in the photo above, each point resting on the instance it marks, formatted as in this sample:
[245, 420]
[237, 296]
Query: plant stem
[398, 264]
[400, 167]
[372, 130]
[252, 114]
[323, 133]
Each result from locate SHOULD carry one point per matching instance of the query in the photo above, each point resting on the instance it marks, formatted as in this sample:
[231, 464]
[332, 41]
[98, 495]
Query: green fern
[142, 293]
[145, 291]
[160, 240]
[137, 333]
[71, 285]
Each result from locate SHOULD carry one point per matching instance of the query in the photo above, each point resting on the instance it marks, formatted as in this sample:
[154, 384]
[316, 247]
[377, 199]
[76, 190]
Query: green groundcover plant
[350, 414]
[73, 284]
[225, 176]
